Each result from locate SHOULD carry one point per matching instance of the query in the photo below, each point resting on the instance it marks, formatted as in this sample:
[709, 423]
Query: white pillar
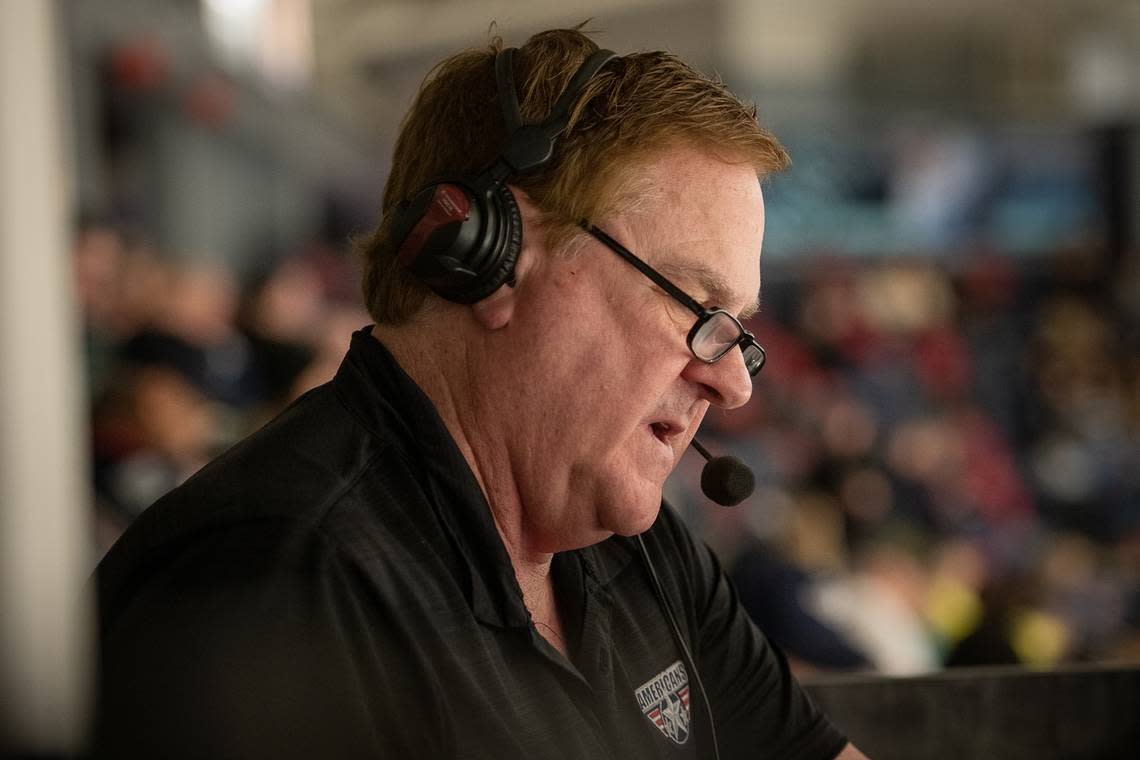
[44, 497]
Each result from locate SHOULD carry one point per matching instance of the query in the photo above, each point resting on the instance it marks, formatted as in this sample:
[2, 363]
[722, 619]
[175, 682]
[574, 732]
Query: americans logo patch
[664, 699]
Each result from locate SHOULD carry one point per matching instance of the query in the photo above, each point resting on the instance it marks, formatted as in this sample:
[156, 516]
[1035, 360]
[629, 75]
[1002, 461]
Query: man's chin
[635, 512]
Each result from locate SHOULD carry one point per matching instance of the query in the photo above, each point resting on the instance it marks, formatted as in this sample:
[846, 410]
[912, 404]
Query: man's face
[600, 392]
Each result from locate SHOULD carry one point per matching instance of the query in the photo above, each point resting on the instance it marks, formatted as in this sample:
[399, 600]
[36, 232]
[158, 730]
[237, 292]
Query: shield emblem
[664, 700]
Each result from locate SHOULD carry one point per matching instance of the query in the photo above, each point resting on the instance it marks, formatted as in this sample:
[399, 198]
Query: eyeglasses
[715, 332]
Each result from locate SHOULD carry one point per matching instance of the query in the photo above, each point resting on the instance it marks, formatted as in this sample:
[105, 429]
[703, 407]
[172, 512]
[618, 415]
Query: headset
[462, 236]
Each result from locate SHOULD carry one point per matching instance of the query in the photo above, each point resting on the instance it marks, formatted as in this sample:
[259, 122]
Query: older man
[456, 548]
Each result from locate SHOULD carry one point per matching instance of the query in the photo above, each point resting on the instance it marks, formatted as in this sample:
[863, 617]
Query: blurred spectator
[880, 607]
[280, 316]
[777, 595]
[99, 261]
[153, 427]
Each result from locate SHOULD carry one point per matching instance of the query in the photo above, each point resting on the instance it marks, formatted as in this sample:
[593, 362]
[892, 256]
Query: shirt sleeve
[242, 646]
[759, 707]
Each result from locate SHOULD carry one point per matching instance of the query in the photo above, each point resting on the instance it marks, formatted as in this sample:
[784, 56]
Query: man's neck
[435, 366]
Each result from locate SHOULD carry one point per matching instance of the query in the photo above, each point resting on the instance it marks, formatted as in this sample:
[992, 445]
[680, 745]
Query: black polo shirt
[334, 586]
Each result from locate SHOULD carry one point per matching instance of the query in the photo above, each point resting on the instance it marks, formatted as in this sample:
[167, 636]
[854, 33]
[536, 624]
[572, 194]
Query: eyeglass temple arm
[644, 268]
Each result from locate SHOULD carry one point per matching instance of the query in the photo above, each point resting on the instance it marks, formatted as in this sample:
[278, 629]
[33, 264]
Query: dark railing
[1074, 713]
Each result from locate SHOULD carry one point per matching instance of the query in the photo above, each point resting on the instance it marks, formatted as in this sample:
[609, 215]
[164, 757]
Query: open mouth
[663, 431]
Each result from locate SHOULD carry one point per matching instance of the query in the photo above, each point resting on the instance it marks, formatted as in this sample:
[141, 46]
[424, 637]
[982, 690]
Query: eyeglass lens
[754, 358]
[716, 336]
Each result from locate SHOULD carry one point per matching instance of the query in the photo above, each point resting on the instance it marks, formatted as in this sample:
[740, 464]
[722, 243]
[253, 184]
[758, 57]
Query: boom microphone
[725, 479]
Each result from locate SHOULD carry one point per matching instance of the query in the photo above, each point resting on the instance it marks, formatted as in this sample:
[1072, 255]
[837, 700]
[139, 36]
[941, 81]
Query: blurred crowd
[948, 460]
[948, 463]
[183, 359]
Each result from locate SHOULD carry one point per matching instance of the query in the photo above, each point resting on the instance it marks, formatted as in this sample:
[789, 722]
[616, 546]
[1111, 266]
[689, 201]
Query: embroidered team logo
[665, 701]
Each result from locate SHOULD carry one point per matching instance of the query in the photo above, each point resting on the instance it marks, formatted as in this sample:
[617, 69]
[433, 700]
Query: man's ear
[495, 311]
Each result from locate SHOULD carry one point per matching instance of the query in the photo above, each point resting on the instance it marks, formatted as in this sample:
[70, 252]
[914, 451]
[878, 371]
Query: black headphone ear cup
[506, 245]
[460, 242]
[462, 237]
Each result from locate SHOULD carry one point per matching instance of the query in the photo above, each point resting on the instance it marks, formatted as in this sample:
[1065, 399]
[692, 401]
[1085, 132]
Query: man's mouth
[666, 431]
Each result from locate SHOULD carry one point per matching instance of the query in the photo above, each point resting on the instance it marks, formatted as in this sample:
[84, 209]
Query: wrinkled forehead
[702, 279]
[702, 225]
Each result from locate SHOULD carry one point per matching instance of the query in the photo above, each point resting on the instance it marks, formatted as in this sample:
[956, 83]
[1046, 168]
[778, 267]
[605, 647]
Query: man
[457, 548]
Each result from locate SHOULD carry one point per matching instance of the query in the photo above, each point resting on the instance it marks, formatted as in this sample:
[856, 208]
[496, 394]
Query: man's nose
[726, 383]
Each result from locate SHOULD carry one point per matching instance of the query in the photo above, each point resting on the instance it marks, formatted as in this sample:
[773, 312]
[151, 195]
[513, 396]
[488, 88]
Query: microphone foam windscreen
[727, 481]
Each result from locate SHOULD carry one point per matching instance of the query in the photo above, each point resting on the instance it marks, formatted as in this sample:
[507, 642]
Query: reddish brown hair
[634, 107]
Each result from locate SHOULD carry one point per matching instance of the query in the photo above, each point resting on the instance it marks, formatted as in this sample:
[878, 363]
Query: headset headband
[462, 236]
[529, 146]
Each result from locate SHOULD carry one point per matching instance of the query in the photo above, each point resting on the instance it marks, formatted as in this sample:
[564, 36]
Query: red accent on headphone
[448, 204]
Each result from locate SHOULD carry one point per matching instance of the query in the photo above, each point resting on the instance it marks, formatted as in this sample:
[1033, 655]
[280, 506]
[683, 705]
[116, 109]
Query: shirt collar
[605, 561]
[388, 403]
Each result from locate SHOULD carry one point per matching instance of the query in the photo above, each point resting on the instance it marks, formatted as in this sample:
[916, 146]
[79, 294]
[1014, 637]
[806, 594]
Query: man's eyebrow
[710, 281]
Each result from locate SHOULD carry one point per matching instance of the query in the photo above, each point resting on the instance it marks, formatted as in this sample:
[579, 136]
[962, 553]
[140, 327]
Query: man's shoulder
[293, 468]
[275, 491]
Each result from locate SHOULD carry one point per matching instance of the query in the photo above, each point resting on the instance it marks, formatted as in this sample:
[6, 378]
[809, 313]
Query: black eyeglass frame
[745, 340]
